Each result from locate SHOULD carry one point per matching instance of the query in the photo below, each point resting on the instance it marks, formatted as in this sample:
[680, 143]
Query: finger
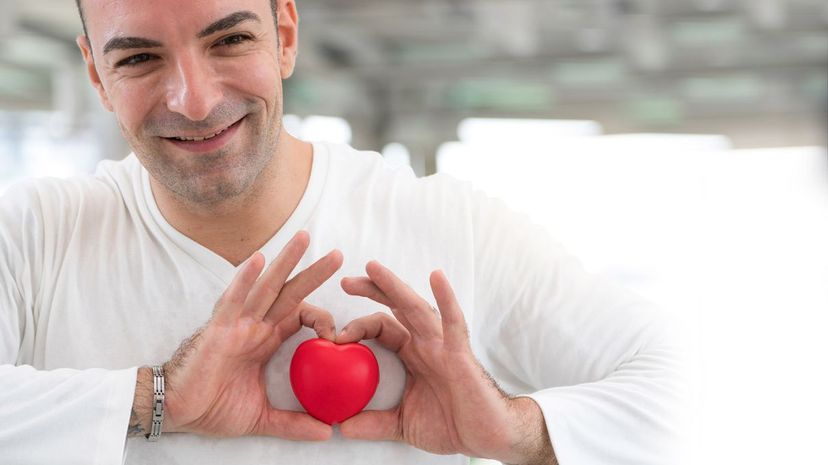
[267, 289]
[383, 327]
[311, 316]
[231, 302]
[301, 286]
[319, 320]
[364, 287]
[455, 331]
[374, 425]
[412, 310]
[296, 426]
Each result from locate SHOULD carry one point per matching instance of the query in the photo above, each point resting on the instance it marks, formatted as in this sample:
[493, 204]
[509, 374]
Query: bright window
[732, 241]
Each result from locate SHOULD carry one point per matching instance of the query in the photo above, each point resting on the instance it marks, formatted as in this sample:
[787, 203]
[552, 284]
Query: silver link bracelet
[157, 403]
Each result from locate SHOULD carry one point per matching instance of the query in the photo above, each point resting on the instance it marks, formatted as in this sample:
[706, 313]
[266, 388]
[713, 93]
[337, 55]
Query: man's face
[195, 85]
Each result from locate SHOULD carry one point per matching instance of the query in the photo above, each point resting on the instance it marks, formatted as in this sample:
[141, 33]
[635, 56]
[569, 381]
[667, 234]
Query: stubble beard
[220, 180]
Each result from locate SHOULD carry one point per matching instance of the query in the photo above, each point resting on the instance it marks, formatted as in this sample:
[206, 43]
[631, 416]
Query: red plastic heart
[333, 382]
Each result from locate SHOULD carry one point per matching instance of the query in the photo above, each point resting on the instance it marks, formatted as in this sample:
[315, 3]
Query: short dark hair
[273, 8]
[82, 17]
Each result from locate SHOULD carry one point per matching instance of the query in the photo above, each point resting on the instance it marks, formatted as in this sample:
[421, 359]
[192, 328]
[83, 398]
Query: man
[104, 276]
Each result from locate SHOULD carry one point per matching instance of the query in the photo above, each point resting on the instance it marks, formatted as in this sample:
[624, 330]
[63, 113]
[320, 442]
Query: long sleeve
[61, 416]
[605, 367]
[64, 416]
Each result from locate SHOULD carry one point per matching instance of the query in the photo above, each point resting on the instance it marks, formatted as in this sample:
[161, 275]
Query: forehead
[157, 18]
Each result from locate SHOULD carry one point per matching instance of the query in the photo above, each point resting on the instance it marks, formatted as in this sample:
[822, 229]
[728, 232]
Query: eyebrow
[123, 43]
[229, 21]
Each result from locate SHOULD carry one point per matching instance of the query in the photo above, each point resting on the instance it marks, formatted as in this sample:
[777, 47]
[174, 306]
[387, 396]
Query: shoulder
[349, 166]
[54, 202]
[364, 178]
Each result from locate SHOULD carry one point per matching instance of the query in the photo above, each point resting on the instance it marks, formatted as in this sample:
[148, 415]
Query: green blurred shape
[299, 92]
[24, 84]
[702, 33]
[815, 45]
[31, 51]
[656, 110]
[439, 52]
[725, 89]
[499, 94]
[815, 86]
[598, 73]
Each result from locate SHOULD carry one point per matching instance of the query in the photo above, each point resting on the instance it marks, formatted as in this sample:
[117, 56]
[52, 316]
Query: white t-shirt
[94, 282]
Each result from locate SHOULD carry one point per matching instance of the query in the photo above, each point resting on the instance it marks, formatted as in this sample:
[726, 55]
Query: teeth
[199, 139]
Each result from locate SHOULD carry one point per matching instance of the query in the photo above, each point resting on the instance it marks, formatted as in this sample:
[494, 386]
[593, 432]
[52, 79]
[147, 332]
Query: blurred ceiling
[409, 70]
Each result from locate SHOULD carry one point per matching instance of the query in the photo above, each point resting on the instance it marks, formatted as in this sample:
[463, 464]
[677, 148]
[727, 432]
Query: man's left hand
[450, 405]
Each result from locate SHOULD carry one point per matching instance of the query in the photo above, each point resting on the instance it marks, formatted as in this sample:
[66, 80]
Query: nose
[192, 89]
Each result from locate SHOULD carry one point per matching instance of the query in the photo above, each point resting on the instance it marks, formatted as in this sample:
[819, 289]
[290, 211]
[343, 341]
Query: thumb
[295, 426]
[374, 425]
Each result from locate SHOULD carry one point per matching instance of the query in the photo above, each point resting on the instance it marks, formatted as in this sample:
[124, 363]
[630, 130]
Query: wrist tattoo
[141, 412]
[135, 428]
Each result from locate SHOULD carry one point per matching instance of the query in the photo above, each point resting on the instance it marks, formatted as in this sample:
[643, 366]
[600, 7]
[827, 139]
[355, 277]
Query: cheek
[256, 75]
[134, 102]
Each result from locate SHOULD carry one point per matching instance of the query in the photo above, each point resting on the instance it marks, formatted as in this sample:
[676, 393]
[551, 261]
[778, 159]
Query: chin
[228, 185]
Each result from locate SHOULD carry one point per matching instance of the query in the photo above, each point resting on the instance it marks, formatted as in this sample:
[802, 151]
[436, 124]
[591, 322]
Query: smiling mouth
[202, 138]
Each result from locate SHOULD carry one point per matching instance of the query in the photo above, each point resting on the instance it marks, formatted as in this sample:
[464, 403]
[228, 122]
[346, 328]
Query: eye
[234, 39]
[135, 60]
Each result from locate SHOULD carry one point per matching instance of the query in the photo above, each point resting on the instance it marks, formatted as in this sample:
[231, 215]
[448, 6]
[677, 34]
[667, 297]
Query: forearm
[140, 417]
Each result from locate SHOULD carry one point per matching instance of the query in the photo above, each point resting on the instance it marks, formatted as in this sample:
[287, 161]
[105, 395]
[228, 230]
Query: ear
[94, 78]
[288, 30]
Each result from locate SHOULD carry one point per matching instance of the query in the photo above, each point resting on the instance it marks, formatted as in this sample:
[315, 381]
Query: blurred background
[676, 146]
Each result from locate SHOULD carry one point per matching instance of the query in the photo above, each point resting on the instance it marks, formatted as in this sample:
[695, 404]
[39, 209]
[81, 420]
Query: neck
[237, 228]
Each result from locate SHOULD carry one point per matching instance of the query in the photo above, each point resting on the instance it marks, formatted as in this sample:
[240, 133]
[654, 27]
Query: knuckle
[292, 301]
[289, 297]
[273, 289]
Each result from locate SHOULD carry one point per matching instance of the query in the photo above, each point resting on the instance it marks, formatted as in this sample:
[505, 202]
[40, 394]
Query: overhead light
[482, 130]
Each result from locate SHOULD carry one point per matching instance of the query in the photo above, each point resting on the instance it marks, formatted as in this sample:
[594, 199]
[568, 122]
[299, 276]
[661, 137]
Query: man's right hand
[215, 382]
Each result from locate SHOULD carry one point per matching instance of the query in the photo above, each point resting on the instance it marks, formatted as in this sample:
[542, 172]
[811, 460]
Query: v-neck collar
[216, 264]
